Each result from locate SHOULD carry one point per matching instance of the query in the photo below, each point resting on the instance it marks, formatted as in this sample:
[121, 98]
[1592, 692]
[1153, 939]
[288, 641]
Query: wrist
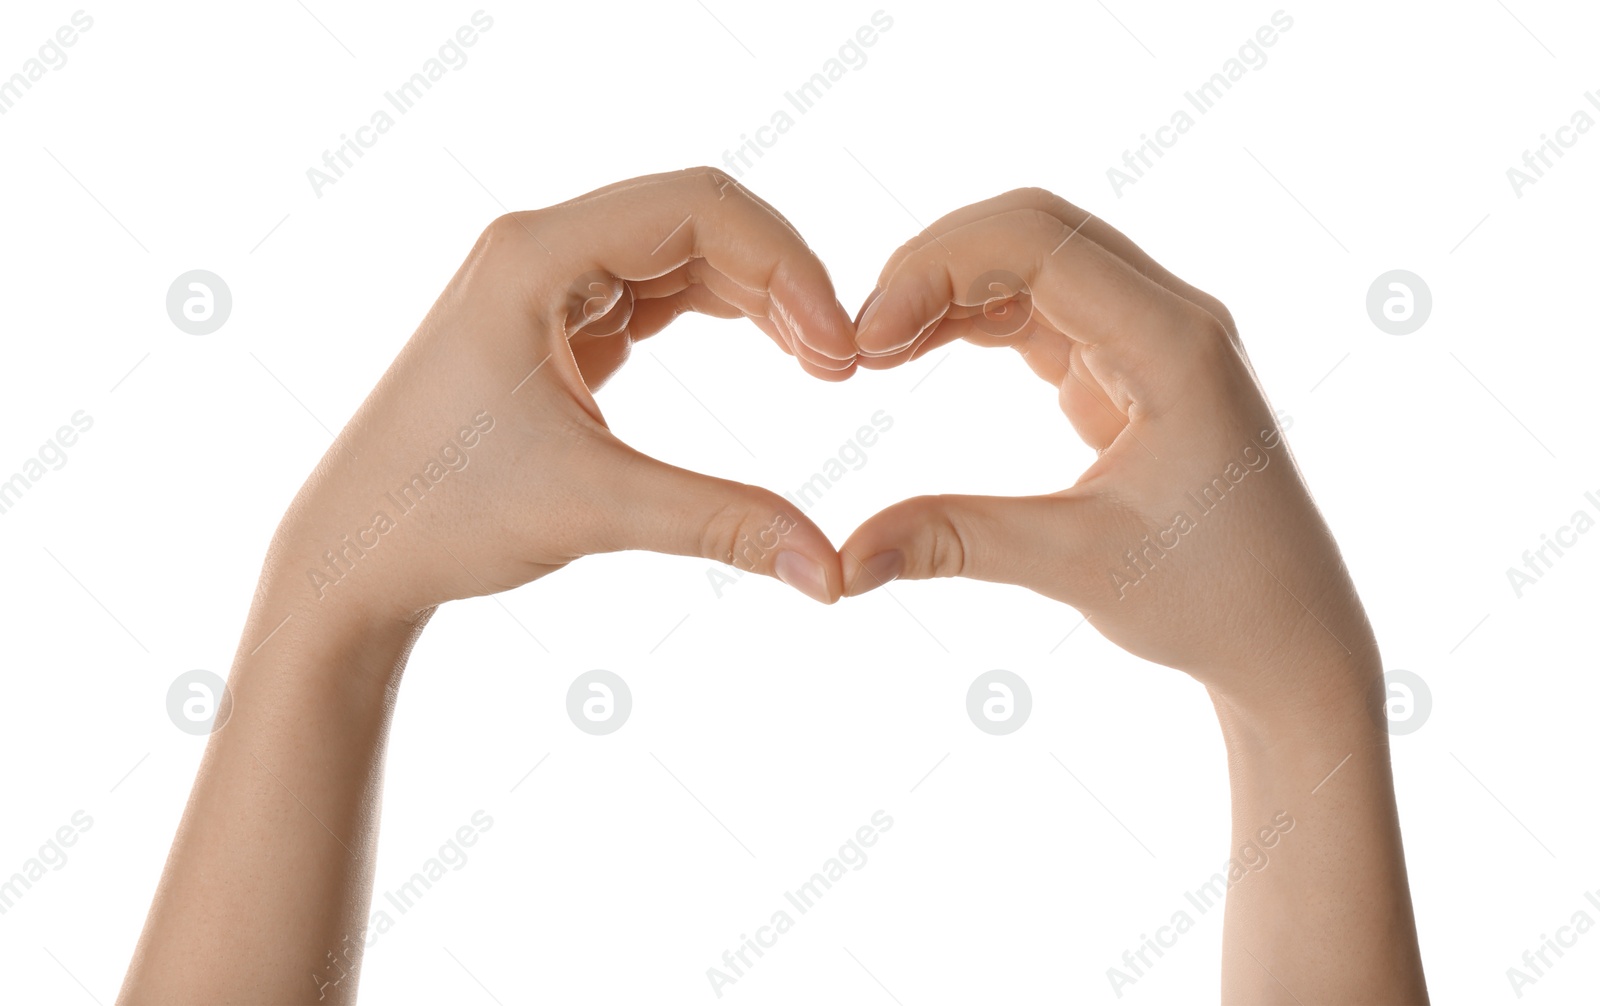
[1311, 711]
[339, 644]
[1320, 759]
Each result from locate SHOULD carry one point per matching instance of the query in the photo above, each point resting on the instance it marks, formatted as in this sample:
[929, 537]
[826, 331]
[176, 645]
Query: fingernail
[877, 571]
[803, 575]
[782, 325]
[901, 346]
[842, 362]
[871, 309]
[796, 334]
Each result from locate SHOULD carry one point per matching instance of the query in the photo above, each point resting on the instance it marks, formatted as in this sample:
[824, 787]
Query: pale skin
[1252, 599]
[269, 879]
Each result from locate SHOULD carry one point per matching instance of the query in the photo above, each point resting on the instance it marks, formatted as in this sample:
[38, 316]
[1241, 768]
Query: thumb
[651, 505]
[1044, 543]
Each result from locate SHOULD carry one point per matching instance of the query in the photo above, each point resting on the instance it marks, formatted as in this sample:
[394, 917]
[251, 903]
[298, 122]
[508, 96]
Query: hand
[1192, 540]
[481, 461]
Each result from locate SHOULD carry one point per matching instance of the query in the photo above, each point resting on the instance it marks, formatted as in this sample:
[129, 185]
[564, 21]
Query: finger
[651, 316]
[1081, 222]
[1097, 419]
[992, 538]
[1012, 324]
[606, 310]
[1004, 317]
[601, 345]
[939, 334]
[697, 272]
[628, 183]
[599, 355]
[1136, 335]
[654, 225]
[692, 514]
[599, 358]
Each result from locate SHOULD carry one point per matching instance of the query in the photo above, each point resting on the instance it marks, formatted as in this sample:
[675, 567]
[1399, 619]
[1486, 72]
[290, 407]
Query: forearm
[1318, 909]
[479, 462]
[271, 869]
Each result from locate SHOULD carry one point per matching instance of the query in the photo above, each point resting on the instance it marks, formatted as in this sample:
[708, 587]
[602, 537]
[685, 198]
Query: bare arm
[1192, 542]
[1319, 909]
[480, 462]
[265, 893]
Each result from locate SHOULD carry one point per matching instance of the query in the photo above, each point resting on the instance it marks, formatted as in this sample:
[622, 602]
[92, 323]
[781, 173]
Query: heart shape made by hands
[1149, 371]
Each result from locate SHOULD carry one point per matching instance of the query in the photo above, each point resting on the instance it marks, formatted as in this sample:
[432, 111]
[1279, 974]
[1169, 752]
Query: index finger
[1081, 221]
[1130, 328]
[647, 227]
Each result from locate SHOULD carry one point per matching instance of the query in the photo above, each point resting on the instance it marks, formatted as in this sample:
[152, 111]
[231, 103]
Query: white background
[766, 728]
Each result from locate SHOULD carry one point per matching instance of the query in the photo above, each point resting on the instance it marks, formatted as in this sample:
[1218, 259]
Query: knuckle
[1218, 310]
[507, 234]
[1042, 219]
[1210, 328]
[719, 534]
[1041, 227]
[720, 182]
[947, 544]
[907, 248]
[495, 265]
[1037, 195]
[732, 533]
[500, 228]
